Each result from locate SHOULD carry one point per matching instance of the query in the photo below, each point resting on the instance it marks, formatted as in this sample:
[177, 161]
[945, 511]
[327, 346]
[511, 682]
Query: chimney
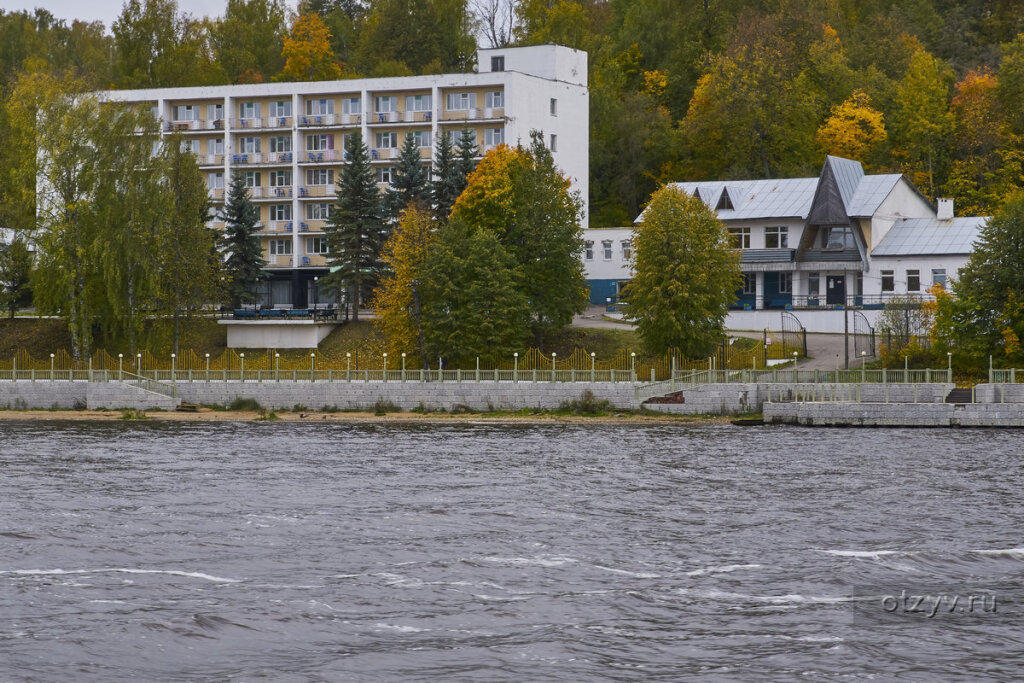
[945, 210]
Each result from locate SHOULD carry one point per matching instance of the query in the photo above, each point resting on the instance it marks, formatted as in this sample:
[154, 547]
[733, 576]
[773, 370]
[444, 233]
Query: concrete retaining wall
[26, 394]
[114, 395]
[896, 414]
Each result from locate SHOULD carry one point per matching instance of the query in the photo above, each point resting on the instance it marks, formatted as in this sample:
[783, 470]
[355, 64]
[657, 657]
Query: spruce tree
[410, 180]
[444, 188]
[465, 164]
[244, 255]
[355, 230]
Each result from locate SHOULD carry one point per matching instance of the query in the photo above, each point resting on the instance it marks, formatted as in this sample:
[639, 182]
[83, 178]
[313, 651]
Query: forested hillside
[679, 90]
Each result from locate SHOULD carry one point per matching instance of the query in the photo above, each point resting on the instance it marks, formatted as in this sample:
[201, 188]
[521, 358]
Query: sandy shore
[208, 415]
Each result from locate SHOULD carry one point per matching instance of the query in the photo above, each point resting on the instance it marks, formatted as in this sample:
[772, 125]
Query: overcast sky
[108, 10]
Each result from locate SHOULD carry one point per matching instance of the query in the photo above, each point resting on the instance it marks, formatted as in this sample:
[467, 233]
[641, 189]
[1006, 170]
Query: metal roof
[792, 197]
[871, 192]
[782, 198]
[922, 236]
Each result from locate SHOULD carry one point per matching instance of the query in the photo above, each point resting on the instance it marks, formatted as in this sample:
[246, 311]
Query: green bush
[244, 404]
[587, 404]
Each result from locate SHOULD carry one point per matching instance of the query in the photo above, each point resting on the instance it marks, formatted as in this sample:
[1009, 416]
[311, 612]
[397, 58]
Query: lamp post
[515, 367]
[593, 366]
[863, 359]
[312, 366]
[632, 364]
[207, 367]
[138, 364]
[385, 366]
[348, 365]
[51, 367]
[173, 356]
[120, 367]
[553, 354]
[949, 371]
[241, 357]
[403, 366]
[277, 367]
[796, 366]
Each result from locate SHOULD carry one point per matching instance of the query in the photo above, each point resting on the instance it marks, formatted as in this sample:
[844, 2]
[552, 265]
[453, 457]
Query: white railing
[210, 159]
[280, 157]
[278, 122]
[316, 120]
[320, 155]
[247, 123]
[281, 226]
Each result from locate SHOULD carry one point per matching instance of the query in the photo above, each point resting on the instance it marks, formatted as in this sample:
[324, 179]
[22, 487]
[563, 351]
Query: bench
[245, 313]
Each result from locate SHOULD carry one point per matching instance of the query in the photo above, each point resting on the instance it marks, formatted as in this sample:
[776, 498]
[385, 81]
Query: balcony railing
[418, 116]
[281, 226]
[279, 260]
[217, 193]
[210, 159]
[316, 120]
[246, 158]
[280, 157]
[247, 123]
[385, 153]
[320, 155]
[312, 225]
[317, 191]
[194, 124]
[277, 122]
[386, 117]
[473, 113]
[767, 255]
[280, 191]
[314, 260]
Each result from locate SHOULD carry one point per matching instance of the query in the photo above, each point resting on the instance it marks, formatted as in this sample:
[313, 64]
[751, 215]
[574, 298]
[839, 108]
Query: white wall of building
[902, 202]
[600, 268]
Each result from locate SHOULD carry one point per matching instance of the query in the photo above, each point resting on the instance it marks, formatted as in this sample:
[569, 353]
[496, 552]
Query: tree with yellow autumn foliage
[853, 130]
[397, 300]
[307, 52]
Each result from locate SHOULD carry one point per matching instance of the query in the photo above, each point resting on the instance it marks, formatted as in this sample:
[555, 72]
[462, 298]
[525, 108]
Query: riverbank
[210, 415]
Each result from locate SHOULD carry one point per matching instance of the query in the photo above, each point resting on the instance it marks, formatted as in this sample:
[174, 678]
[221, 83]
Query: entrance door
[835, 292]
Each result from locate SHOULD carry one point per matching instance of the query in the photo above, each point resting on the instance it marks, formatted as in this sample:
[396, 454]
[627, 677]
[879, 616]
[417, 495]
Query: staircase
[960, 396]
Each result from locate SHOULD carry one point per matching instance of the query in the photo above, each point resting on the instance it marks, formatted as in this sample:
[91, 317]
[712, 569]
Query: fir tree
[244, 261]
[410, 180]
[355, 231]
[444, 186]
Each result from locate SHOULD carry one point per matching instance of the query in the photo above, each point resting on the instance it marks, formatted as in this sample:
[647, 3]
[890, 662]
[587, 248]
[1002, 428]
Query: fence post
[652, 376]
[990, 368]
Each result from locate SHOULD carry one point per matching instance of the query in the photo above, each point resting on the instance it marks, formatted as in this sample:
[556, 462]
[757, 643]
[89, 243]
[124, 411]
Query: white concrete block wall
[43, 395]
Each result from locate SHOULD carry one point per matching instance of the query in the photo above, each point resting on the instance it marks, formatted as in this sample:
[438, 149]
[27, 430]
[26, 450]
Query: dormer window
[838, 237]
[724, 202]
[497, 63]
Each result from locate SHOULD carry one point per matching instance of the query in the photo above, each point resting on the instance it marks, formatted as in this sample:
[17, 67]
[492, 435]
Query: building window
[280, 247]
[215, 146]
[418, 103]
[252, 178]
[319, 176]
[386, 140]
[498, 63]
[318, 211]
[749, 283]
[215, 112]
[457, 136]
[248, 145]
[319, 143]
[281, 143]
[740, 238]
[913, 280]
[785, 283]
[319, 107]
[385, 104]
[385, 174]
[280, 212]
[588, 253]
[553, 145]
[888, 281]
[627, 249]
[553, 105]
[812, 285]
[186, 112]
[190, 146]
[461, 101]
[316, 245]
[776, 237]
[422, 138]
[494, 136]
[215, 181]
[860, 284]
[495, 99]
[281, 108]
[939, 277]
[280, 178]
[607, 247]
[352, 105]
[249, 110]
[839, 237]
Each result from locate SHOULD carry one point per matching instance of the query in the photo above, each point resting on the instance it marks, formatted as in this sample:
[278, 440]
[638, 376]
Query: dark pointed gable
[828, 207]
[724, 201]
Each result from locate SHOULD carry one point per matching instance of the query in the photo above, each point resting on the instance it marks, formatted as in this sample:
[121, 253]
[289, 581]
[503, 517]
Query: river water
[482, 552]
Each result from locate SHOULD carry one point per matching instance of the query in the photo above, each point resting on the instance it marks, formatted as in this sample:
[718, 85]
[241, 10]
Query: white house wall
[902, 202]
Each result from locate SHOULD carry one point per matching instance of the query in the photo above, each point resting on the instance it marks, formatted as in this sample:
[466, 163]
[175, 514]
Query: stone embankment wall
[24, 394]
[896, 414]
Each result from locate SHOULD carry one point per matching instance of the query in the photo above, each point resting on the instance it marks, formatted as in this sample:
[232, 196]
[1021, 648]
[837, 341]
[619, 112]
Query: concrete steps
[116, 395]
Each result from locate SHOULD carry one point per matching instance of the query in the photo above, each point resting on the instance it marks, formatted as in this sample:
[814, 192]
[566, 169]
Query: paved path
[823, 350]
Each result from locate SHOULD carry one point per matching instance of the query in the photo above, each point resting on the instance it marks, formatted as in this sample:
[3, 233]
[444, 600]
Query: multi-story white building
[289, 138]
[842, 239]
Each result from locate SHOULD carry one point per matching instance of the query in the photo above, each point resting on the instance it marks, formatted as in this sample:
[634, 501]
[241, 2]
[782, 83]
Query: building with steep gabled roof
[844, 238]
